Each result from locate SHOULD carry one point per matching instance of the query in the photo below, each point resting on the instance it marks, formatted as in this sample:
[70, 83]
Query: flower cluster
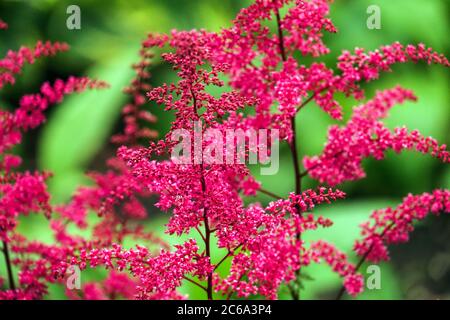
[365, 135]
[393, 225]
[263, 244]
[321, 250]
[299, 203]
[158, 275]
[116, 285]
[26, 192]
[14, 61]
[269, 251]
[133, 114]
[22, 193]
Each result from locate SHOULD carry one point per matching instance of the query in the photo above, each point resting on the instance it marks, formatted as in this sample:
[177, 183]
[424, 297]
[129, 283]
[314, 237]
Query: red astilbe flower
[24, 192]
[367, 66]
[254, 55]
[133, 113]
[30, 112]
[321, 250]
[304, 23]
[270, 252]
[114, 199]
[14, 61]
[159, 275]
[267, 259]
[366, 136]
[116, 195]
[297, 204]
[111, 189]
[38, 265]
[207, 196]
[393, 225]
[117, 285]
[180, 186]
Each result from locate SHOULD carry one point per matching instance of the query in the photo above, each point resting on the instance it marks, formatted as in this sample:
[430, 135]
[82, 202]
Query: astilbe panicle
[365, 135]
[255, 55]
[206, 197]
[393, 225]
[264, 244]
[115, 197]
[13, 62]
[321, 250]
[116, 285]
[25, 192]
[269, 250]
[133, 113]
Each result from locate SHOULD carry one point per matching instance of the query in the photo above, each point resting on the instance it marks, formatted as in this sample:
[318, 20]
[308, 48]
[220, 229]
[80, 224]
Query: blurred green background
[75, 138]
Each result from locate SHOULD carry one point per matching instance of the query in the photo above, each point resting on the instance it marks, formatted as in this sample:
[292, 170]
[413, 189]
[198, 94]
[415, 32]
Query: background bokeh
[75, 138]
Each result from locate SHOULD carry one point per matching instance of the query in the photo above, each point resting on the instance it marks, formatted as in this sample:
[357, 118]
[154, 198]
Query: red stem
[195, 283]
[207, 241]
[280, 36]
[12, 286]
[270, 194]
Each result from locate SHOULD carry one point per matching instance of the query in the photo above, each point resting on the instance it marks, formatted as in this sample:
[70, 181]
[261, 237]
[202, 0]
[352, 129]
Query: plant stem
[222, 260]
[195, 283]
[295, 292]
[207, 238]
[280, 36]
[270, 194]
[229, 253]
[304, 103]
[295, 159]
[306, 172]
[293, 144]
[12, 286]
[360, 263]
